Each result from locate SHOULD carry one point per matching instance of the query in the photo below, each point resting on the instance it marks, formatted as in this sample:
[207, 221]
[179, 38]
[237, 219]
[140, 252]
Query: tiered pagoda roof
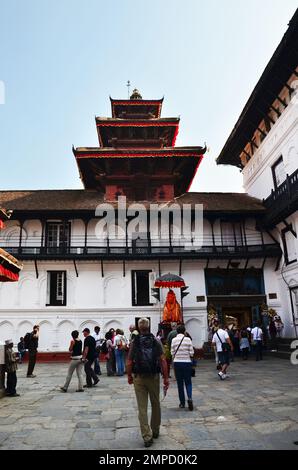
[137, 156]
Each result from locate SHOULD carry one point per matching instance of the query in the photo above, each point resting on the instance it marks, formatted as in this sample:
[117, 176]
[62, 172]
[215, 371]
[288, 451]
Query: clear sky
[61, 59]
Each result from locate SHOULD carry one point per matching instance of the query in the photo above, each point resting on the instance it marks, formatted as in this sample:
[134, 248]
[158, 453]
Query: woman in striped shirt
[182, 351]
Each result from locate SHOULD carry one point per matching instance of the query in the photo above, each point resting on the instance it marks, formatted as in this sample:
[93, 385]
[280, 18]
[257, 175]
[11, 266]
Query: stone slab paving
[256, 408]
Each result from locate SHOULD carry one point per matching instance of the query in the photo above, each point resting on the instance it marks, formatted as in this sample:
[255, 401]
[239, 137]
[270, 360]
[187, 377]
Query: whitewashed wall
[92, 299]
[282, 140]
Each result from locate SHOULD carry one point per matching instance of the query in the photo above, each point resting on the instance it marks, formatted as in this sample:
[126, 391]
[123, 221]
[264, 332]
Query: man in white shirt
[219, 341]
[99, 338]
[257, 339]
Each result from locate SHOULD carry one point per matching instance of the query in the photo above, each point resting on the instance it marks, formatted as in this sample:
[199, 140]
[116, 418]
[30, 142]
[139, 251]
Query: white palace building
[78, 272]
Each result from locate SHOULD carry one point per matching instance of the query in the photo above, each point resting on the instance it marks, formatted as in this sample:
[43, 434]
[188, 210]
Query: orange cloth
[172, 310]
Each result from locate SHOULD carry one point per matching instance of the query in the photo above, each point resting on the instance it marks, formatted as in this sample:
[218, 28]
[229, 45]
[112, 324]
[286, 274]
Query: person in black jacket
[32, 348]
[88, 358]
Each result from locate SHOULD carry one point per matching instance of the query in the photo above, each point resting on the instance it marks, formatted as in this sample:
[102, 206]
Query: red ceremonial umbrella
[169, 280]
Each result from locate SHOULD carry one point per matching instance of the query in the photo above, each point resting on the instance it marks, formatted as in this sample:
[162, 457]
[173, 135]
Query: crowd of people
[229, 341]
[143, 357]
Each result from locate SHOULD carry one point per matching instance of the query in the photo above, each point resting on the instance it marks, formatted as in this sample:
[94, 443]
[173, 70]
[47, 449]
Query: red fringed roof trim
[131, 154]
[8, 276]
[169, 284]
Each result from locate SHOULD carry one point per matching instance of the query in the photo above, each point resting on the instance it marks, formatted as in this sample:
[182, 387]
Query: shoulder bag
[225, 346]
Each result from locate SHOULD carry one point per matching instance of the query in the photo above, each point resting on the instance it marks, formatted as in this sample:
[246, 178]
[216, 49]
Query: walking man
[88, 358]
[221, 341]
[145, 360]
[99, 339]
[257, 340]
[11, 369]
[32, 348]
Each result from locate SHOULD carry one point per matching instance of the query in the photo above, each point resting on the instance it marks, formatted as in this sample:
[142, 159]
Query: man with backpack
[146, 360]
[31, 343]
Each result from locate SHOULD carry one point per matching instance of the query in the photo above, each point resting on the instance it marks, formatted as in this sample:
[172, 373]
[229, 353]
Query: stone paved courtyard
[256, 408]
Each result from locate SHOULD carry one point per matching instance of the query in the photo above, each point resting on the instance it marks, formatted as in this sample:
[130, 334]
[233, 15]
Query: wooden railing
[283, 200]
[126, 252]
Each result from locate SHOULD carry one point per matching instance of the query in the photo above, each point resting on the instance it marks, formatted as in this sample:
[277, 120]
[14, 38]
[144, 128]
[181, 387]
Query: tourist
[279, 326]
[11, 369]
[244, 344]
[182, 352]
[145, 361]
[236, 341]
[21, 349]
[32, 348]
[214, 328]
[88, 358]
[109, 346]
[273, 333]
[120, 346]
[221, 341]
[113, 336]
[133, 333]
[76, 364]
[257, 340]
[99, 338]
[172, 333]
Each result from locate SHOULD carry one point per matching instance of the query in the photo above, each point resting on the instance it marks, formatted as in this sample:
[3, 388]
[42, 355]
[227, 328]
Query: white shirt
[223, 335]
[98, 338]
[118, 339]
[185, 350]
[257, 334]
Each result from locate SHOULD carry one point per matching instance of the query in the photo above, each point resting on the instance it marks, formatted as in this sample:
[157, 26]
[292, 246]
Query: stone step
[280, 354]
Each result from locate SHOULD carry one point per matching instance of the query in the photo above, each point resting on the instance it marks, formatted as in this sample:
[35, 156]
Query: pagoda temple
[78, 276]
[137, 157]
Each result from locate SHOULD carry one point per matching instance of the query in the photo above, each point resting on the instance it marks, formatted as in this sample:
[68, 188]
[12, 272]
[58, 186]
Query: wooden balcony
[123, 252]
[282, 201]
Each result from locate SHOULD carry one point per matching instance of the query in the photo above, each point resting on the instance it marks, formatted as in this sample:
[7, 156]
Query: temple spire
[136, 95]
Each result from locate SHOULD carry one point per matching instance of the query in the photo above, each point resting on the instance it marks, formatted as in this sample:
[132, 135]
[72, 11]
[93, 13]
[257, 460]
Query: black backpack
[104, 348]
[27, 340]
[145, 355]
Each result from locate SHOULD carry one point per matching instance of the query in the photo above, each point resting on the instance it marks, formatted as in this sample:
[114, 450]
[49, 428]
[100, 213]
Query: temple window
[56, 288]
[57, 235]
[140, 288]
[289, 245]
[278, 172]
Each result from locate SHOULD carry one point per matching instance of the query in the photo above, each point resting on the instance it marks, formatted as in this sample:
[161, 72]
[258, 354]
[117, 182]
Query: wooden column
[21, 235]
[86, 221]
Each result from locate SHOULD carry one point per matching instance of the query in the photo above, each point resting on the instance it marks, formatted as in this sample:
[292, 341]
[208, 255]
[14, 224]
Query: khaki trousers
[148, 385]
[75, 365]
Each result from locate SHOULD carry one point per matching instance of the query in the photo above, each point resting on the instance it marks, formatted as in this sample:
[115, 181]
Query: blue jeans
[120, 366]
[97, 366]
[183, 377]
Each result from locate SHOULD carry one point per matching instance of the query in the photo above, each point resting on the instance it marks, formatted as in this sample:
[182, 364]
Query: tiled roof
[87, 200]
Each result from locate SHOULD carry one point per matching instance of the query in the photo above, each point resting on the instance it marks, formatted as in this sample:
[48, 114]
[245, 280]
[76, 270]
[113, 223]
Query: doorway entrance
[240, 317]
